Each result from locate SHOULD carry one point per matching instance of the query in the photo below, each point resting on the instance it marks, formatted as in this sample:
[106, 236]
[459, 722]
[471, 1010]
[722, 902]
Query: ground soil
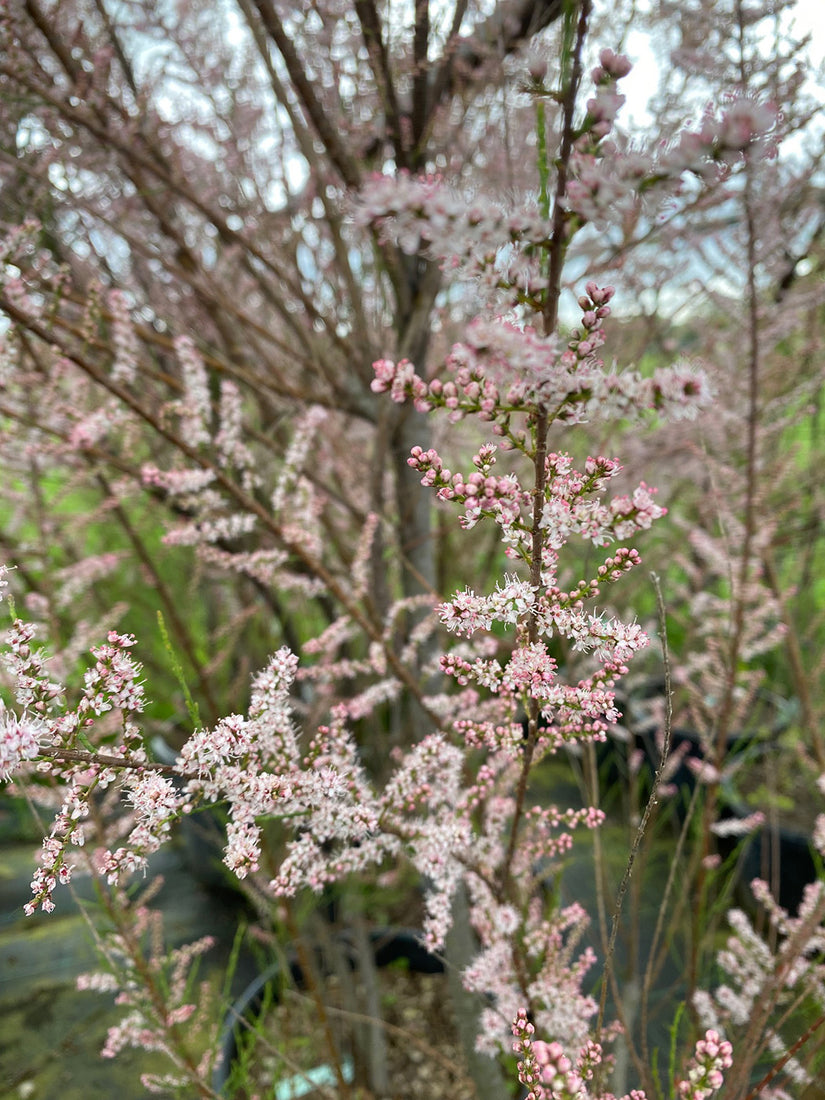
[417, 1043]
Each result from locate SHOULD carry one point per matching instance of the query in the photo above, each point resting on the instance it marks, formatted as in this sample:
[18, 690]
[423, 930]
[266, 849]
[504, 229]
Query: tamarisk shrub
[180, 290]
[456, 805]
[745, 482]
[746, 646]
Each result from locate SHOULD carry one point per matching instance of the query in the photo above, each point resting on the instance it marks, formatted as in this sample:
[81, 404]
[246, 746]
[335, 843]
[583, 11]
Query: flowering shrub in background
[498, 678]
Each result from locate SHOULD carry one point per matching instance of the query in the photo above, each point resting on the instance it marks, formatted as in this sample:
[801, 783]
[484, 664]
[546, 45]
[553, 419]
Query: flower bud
[537, 69]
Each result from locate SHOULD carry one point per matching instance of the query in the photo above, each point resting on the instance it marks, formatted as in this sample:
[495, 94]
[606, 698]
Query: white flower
[19, 740]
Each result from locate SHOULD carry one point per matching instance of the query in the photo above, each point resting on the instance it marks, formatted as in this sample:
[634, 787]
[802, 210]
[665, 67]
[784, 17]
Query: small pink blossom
[19, 740]
[705, 1074]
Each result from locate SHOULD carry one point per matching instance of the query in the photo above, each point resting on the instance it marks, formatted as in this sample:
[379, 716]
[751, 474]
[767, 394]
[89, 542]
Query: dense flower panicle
[570, 508]
[177, 483]
[568, 712]
[530, 669]
[498, 370]
[234, 761]
[232, 449]
[610, 639]
[425, 211]
[114, 680]
[221, 528]
[124, 340]
[467, 612]
[706, 1073]
[19, 740]
[501, 369]
[196, 404]
[295, 457]
[157, 805]
[270, 688]
[33, 689]
[111, 684]
[155, 1010]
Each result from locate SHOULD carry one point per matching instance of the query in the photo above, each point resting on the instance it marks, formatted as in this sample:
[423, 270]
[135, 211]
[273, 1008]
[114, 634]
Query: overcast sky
[809, 18]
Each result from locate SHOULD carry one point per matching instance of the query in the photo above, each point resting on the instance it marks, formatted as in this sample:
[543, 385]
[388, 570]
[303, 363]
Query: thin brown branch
[420, 90]
[338, 154]
[373, 34]
[557, 249]
[81, 756]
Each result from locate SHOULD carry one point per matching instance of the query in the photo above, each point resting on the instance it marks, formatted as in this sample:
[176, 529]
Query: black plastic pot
[388, 946]
[782, 857]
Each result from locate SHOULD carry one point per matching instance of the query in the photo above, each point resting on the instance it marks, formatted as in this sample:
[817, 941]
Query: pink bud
[617, 65]
[537, 69]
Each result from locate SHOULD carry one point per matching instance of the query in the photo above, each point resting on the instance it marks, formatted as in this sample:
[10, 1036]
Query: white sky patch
[649, 61]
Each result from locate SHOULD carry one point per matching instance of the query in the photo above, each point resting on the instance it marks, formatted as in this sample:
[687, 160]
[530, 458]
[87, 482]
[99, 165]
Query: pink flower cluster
[493, 244]
[232, 450]
[607, 176]
[424, 211]
[502, 368]
[19, 740]
[234, 762]
[157, 993]
[499, 371]
[124, 340]
[706, 1073]
[111, 684]
[54, 868]
[114, 679]
[157, 805]
[195, 407]
[604, 107]
[482, 493]
[549, 1074]
[758, 969]
[27, 664]
[594, 307]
